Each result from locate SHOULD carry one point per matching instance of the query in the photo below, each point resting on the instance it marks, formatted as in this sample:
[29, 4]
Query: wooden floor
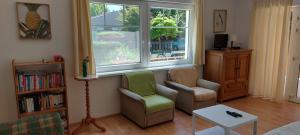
[270, 115]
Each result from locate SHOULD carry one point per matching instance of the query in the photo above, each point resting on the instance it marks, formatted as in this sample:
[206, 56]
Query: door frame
[292, 75]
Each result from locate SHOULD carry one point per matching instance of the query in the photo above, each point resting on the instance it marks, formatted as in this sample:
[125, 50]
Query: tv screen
[220, 41]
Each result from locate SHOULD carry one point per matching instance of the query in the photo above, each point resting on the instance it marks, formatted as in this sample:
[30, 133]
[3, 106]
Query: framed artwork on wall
[220, 20]
[33, 20]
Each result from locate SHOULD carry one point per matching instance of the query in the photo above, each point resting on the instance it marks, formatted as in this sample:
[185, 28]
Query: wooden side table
[88, 120]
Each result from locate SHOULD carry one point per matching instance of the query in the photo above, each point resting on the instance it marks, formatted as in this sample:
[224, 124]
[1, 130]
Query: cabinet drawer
[234, 86]
[234, 90]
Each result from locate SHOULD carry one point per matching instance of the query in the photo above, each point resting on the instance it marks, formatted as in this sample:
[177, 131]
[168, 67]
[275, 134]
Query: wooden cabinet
[231, 69]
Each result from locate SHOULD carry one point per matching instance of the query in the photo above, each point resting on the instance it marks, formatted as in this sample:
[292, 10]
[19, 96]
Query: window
[134, 34]
[169, 34]
[115, 33]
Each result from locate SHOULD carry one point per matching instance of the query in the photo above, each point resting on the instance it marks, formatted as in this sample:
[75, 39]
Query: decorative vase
[84, 69]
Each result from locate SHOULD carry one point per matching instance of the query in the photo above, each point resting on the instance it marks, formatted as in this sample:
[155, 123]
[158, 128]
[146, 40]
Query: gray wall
[296, 2]
[238, 19]
[209, 7]
[104, 94]
[243, 21]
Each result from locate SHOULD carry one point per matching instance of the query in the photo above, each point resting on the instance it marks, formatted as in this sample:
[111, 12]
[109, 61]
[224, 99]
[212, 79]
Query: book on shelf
[34, 103]
[35, 80]
[41, 88]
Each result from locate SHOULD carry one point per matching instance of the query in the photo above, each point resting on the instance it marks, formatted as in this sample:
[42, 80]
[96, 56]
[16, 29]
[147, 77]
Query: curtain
[294, 57]
[199, 33]
[82, 36]
[269, 41]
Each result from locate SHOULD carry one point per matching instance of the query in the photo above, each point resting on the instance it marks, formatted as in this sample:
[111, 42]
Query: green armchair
[145, 102]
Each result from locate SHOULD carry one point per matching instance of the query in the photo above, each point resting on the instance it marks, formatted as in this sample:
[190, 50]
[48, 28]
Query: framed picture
[220, 20]
[33, 20]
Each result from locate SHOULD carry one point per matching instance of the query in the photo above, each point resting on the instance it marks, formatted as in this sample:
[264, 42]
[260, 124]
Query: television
[220, 41]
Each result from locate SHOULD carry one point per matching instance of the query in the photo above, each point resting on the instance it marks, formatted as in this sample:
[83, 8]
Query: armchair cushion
[187, 76]
[208, 84]
[155, 103]
[202, 94]
[142, 83]
[166, 92]
[132, 95]
[180, 87]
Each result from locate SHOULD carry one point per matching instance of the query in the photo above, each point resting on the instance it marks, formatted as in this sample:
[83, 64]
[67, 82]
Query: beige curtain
[269, 41]
[82, 36]
[199, 33]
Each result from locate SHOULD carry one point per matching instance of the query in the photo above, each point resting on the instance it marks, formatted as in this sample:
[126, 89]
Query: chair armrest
[132, 95]
[177, 86]
[166, 92]
[208, 84]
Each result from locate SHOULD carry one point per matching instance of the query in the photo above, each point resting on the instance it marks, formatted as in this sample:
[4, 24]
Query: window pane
[178, 16]
[169, 34]
[131, 16]
[116, 47]
[113, 14]
[168, 48]
[97, 13]
[117, 41]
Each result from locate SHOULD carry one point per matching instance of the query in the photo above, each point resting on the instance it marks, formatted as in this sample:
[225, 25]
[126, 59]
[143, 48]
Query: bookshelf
[41, 88]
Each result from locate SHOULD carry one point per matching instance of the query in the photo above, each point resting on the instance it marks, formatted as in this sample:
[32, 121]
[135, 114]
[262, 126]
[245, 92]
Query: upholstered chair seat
[193, 92]
[145, 102]
[202, 94]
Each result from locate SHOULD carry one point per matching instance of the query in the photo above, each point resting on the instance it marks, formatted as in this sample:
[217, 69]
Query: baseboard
[99, 118]
[294, 100]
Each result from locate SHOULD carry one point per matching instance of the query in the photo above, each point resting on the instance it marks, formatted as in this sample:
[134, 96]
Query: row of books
[41, 102]
[39, 80]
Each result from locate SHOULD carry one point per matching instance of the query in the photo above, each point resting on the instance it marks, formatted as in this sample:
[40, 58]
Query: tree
[131, 18]
[96, 9]
[178, 15]
[170, 32]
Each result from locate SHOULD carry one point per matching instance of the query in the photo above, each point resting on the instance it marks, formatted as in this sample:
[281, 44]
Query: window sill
[161, 68]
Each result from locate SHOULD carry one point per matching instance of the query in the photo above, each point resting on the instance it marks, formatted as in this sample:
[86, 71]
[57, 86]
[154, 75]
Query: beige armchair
[147, 110]
[193, 92]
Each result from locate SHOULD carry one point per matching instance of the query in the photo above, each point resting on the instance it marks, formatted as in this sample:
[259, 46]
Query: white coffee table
[224, 122]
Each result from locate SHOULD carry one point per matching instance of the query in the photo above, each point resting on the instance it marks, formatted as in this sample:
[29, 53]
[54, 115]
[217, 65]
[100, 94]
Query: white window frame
[108, 68]
[189, 44]
[145, 42]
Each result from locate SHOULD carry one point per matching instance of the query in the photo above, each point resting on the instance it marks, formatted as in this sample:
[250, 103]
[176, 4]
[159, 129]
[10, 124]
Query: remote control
[237, 114]
[234, 114]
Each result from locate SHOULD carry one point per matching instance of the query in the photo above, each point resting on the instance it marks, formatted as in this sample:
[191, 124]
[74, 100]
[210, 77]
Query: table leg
[193, 124]
[254, 132]
[88, 120]
[227, 131]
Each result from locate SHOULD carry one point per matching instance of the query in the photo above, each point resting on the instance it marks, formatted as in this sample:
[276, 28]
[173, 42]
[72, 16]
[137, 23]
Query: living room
[105, 102]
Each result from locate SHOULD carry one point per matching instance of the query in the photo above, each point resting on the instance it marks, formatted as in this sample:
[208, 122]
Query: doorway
[292, 87]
